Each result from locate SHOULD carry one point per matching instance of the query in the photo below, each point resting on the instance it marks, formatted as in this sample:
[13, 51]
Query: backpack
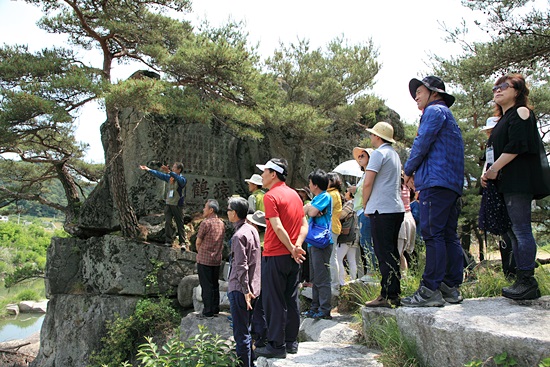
[348, 228]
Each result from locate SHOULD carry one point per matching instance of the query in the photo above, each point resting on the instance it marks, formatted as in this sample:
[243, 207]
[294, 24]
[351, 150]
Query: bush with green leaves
[152, 317]
[23, 249]
[204, 349]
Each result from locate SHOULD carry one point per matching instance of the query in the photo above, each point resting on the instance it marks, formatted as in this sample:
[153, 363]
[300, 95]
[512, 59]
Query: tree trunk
[73, 199]
[114, 171]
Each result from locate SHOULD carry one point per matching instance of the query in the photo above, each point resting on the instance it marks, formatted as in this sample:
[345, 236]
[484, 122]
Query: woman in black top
[517, 161]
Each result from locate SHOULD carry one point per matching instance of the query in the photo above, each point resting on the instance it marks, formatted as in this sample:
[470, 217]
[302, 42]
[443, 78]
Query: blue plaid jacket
[437, 154]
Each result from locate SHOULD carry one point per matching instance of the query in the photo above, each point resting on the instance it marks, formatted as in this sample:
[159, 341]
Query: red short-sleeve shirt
[283, 202]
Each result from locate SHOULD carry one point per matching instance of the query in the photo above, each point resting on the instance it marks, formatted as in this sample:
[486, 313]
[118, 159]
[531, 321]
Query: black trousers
[385, 234]
[208, 279]
[173, 212]
[280, 276]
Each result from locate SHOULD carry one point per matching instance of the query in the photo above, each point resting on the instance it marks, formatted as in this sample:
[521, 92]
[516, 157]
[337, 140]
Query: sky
[405, 32]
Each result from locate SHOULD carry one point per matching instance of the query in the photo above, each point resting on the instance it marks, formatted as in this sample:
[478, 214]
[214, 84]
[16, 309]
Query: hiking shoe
[424, 297]
[525, 287]
[269, 352]
[309, 314]
[321, 316]
[292, 347]
[450, 294]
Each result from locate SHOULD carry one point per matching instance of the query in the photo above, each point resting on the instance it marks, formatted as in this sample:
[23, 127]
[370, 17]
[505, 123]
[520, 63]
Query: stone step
[327, 355]
[478, 328]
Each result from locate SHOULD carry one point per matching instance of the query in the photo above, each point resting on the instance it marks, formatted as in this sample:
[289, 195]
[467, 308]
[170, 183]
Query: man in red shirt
[282, 255]
[209, 257]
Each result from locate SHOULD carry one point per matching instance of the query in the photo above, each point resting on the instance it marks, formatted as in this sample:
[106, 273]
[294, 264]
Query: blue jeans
[241, 327]
[365, 240]
[439, 210]
[521, 234]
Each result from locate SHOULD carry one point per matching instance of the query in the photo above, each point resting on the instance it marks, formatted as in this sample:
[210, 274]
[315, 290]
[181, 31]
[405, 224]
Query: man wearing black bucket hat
[437, 163]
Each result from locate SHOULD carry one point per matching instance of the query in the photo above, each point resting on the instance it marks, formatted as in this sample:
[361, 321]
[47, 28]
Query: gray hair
[213, 203]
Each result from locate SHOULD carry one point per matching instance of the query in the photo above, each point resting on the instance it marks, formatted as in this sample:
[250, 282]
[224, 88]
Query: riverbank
[20, 352]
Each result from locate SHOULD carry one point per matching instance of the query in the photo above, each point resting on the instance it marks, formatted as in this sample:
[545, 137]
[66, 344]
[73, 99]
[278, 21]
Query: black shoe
[525, 287]
[321, 316]
[292, 347]
[260, 342]
[269, 352]
[450, 294]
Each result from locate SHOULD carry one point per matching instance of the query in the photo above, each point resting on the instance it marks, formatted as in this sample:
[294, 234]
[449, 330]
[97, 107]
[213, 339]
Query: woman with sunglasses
[517, 161]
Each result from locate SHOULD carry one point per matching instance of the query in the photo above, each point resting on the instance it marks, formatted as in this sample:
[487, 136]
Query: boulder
[73, 327]
[475, 329]
[337, 330]
[90, 281]
[33, 307]
[314, 354]
[115, 265]
[12, 309]
[218, 174]
[224, 300]
[219, 325]
[185, 290]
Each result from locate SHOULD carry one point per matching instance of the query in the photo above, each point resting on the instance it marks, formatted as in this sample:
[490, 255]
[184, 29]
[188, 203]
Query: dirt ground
[19, 353]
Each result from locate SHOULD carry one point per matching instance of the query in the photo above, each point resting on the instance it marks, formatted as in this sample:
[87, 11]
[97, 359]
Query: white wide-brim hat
[256, 179]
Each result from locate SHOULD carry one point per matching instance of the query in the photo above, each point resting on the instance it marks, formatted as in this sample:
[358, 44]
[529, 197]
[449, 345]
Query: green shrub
[151, 317]
[28, 295]
[204, 349]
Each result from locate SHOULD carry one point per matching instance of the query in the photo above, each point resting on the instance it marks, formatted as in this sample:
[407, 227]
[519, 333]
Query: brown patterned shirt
[211, 233]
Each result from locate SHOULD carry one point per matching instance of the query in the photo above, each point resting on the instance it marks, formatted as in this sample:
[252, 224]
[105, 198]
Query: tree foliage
[39, 92]
[305, 97]
[518, 42]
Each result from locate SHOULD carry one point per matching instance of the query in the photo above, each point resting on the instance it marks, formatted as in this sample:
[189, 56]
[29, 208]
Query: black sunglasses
[502, 86]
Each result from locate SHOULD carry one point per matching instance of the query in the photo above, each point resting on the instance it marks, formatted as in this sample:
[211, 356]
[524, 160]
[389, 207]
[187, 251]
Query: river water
[21, 326]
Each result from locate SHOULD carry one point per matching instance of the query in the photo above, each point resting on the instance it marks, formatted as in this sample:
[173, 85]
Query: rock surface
[475, 329]
[33, 307]
[91, 281]
[327, 355]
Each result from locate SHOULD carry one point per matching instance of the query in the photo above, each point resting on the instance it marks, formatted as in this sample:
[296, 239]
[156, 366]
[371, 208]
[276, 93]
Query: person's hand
[145, 168]
[409, 181]
[352, 189]
[248, 298]
[298, 254]
[165, 169]
[483, 181]
[489, 174]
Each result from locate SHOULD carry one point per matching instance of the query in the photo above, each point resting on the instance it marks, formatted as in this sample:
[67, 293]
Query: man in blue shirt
[320, 211]
[437, 163]
[175, 197]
